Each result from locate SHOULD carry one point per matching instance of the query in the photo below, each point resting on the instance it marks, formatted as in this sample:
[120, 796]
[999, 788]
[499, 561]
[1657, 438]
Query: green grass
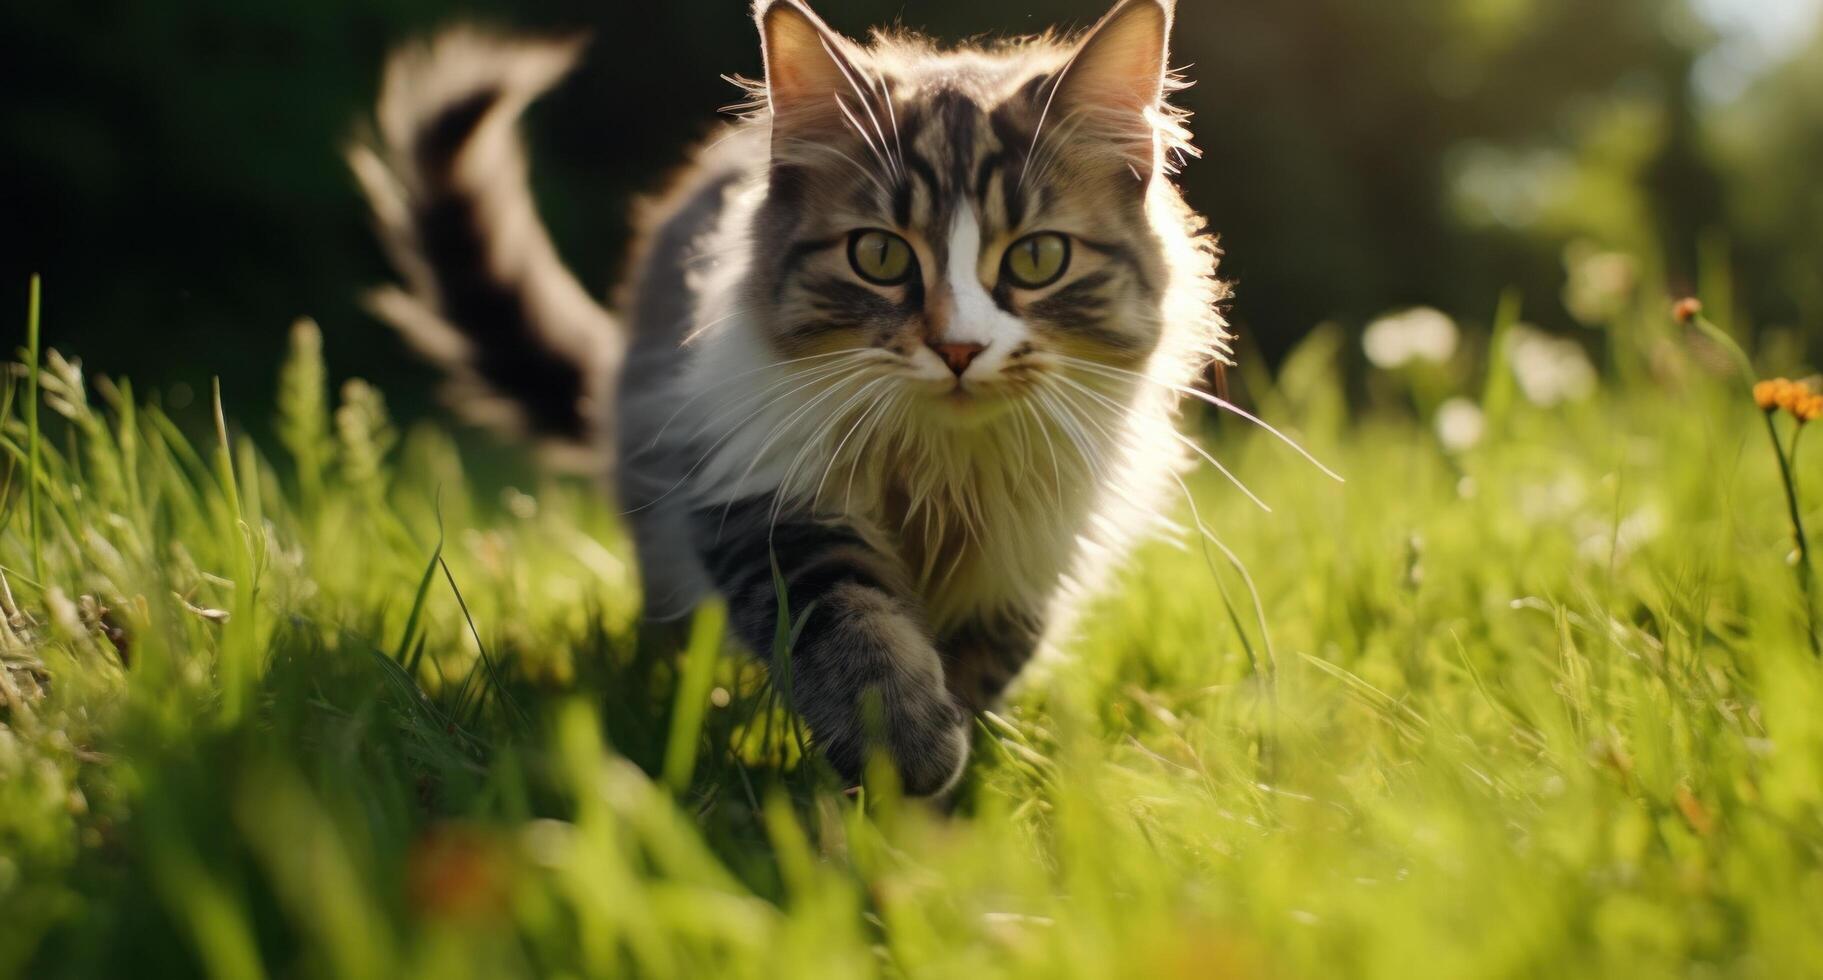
[1541, 707]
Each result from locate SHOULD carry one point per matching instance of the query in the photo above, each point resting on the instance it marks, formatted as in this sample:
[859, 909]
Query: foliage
[1358, 156]
[1528, 698]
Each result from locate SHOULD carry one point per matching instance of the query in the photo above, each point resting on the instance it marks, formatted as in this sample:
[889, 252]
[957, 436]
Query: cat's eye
[1037, 260]
[881, 257]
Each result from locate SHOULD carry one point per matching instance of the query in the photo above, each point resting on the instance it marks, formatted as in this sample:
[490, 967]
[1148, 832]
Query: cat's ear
[1119, 69]
[806, 65]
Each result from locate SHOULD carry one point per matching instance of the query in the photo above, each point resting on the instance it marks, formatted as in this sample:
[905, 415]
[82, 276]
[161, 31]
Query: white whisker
[822, 373]
[855, 124]
[836, 453]
[872, 177]
[787, 425]
[1259, 608]
[892, 119]
[1188, 442]
[1216, 401]
[736, 377]
[738, 400]
[1051, 448]
[895, 407]
[848, 75]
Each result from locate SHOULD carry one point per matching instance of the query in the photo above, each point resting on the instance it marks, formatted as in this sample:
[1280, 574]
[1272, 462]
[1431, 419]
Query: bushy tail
[485, 294]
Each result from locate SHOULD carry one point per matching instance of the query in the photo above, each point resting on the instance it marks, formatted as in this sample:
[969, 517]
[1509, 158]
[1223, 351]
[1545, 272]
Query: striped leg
[864, 672]
[984, 654]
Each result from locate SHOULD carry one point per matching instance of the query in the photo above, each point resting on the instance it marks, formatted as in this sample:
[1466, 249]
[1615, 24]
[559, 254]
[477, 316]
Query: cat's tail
[485, 295]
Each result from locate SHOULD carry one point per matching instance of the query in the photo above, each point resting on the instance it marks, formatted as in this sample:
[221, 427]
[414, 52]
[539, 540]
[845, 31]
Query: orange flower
[1687, 309]
[1766, 394]
[1795, 397]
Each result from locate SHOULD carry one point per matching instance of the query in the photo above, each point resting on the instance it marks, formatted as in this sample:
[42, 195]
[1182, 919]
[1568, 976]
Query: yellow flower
[1810, 409]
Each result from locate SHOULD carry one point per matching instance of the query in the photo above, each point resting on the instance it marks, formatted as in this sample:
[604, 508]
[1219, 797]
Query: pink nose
[957, 356]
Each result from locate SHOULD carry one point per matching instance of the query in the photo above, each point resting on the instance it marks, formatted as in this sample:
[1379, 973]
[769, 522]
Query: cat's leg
[863, 670]
[984, 653]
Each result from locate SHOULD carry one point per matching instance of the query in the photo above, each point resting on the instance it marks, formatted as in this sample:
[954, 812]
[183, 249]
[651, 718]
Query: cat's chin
[969, 408]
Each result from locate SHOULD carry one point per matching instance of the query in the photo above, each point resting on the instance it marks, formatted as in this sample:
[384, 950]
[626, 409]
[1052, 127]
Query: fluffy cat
[909, 338]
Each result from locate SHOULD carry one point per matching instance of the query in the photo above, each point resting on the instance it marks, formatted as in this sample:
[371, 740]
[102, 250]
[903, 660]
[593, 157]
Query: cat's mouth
[960, 402]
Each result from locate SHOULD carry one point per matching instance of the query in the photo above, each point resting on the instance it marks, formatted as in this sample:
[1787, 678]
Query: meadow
[1532, 693]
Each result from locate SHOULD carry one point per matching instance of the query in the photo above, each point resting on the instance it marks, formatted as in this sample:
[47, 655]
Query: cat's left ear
[1119, 69]
[807, 66]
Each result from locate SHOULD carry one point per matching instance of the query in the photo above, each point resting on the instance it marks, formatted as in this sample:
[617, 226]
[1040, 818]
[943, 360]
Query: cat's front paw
[919, 728]
[929, 745]
[868, 681]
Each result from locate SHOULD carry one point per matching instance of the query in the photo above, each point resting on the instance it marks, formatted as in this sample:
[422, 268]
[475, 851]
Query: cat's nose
[957, 356]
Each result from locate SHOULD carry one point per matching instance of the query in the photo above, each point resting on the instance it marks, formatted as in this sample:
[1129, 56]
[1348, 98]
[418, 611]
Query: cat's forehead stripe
[951, 149]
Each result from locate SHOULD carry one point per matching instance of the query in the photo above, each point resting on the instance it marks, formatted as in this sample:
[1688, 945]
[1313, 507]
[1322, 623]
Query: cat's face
[973, 221]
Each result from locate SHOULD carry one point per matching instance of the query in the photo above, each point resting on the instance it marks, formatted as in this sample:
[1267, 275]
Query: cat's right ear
[1118, 76]
[806, 67]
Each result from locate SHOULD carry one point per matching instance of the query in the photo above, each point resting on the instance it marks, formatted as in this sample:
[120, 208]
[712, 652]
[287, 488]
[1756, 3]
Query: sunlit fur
[934, 472]
[1053, 467]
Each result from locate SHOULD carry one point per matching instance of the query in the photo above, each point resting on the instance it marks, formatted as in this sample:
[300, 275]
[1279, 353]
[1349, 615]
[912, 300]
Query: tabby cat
[906, 342]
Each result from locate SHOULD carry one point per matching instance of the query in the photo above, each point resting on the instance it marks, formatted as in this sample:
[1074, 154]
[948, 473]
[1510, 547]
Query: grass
[1542, 706]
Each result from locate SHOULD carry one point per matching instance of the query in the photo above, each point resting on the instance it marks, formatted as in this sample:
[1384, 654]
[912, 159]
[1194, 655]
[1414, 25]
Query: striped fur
[485, 295]
[939, 457]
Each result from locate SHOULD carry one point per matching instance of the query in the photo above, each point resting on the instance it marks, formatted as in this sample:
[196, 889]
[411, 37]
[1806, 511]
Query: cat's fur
[766, 406]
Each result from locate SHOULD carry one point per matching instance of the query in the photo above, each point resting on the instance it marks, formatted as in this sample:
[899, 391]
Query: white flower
[1599, 284]
[1460, 424]
[1550, 370]
[1418, 334]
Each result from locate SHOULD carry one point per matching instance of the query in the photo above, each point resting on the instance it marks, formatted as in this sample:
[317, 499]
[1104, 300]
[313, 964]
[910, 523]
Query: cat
[906, 343]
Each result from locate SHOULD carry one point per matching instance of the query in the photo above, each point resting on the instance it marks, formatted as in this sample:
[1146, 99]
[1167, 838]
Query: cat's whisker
[1164, 522]
[741, 401]
[892, 120]
[819, 436]
[866, 103]
[855, 124]
[1104, 478]
[836, 454]
[895, 409]
[1055, 141]
[703, 329]
[1071, 431]
[834, 419]
[1213, 400]
[1185, 440]
[785, 425]
[790, 422]
[733, 430]
[872, 177]
[660, 434]
[1044, 114]
[1240, 567]
[1051, 449]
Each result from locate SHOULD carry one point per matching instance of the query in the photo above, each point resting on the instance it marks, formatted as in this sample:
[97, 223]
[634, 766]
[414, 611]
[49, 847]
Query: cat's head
[976, 219]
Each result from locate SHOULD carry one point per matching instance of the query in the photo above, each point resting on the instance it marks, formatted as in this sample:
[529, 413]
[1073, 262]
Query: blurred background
[173, 169]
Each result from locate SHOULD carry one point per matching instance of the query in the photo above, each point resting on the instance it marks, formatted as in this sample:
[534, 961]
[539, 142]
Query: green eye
[1038, 260]
[881, 257]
